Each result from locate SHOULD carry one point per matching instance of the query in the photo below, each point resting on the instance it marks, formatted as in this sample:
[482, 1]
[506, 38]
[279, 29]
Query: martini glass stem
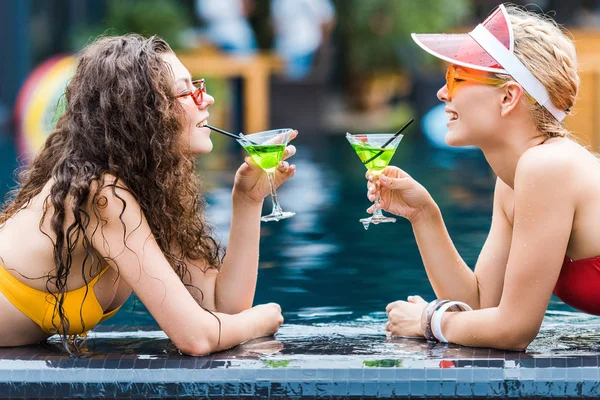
[276, 206]
[377, 213]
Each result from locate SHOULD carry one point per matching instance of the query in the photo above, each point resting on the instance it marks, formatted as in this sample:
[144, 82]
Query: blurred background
[324, 67]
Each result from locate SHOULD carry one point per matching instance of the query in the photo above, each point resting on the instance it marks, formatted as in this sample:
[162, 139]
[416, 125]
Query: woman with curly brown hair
[111, 205]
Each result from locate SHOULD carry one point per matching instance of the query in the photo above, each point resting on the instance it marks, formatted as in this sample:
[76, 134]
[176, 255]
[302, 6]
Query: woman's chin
[453, 141]
[203, 148]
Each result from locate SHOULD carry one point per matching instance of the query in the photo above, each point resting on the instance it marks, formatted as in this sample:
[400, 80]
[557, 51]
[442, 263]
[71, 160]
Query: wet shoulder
[559, 170]
[552, 164]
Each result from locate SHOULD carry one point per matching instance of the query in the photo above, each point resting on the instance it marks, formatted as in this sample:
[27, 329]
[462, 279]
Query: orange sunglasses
[197, 94]
[453, 77]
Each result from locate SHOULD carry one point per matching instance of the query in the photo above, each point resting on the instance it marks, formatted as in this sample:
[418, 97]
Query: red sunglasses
[197, 94]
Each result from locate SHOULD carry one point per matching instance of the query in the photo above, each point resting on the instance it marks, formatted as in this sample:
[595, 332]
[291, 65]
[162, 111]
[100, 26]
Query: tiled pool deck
[365, 365]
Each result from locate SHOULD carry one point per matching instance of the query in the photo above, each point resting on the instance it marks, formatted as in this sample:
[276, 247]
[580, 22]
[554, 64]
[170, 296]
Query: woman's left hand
[404, 317]
[252, 181]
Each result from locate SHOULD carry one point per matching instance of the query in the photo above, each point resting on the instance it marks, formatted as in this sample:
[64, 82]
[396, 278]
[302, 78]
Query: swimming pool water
[333, 280]
[324, 269]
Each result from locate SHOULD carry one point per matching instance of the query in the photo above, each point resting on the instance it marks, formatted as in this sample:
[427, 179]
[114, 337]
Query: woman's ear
[512, 93]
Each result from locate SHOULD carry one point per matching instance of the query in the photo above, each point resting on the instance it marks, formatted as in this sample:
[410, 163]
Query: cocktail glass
[266, 149]
[375, 157]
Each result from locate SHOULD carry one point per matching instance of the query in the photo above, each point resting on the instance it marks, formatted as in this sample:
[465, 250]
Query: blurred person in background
[299, 29]
[588, 14]
[111, 205]
[227, 25]
[511, 82]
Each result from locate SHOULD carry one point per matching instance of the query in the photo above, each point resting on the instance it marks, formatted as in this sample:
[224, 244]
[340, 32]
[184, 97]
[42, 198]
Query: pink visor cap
[488, 47]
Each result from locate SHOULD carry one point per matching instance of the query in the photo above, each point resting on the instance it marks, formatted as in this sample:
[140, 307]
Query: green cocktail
[377, 164]
[266, 149]
[267, 156]
[375, 151]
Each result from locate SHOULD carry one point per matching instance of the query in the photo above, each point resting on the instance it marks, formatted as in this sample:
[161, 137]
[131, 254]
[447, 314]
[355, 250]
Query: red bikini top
[579, 284]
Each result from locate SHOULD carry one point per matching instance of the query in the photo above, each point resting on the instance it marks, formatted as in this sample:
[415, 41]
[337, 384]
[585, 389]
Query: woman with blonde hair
[111, 205]
[511, 82]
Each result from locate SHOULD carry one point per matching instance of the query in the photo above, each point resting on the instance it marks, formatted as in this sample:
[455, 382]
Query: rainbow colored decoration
[41, 102]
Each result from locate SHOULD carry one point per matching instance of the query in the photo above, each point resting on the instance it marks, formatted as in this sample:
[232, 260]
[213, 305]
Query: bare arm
[449, 275]
[231, 290]
[236, 283]
[125, 240]
[491, 263]
[544, 211]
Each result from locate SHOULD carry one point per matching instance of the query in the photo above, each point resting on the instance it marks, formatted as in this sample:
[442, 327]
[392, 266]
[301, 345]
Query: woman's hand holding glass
[399, 194]
[252, 181]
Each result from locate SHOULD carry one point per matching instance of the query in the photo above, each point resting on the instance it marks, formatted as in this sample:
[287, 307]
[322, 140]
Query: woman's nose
[443, 94]
[207, 100]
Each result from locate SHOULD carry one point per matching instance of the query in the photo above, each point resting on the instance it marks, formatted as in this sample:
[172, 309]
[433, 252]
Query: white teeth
[451, 116]
[201, 124]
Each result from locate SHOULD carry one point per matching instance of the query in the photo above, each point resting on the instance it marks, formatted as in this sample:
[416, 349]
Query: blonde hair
[544, 48]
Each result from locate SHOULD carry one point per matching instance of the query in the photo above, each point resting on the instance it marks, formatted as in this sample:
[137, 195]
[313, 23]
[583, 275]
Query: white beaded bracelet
[436, 323]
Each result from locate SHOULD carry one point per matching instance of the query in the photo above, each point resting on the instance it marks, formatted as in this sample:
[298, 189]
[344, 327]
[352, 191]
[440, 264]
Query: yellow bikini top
[39, 305]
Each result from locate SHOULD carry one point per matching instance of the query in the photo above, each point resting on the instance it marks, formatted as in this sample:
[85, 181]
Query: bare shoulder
[115, 213]
[108, 185]
[553, 156]
[111, 197]
[554, 166]
[558, 174]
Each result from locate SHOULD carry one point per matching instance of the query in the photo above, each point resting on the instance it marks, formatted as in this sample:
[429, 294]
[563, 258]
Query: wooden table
[254, 70]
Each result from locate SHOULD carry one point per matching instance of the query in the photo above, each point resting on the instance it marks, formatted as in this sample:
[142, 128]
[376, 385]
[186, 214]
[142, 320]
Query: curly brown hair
[121, 119]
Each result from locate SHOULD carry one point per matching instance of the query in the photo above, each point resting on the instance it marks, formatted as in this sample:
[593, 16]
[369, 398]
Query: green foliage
[376, 33]
[149, 17]
[165, 18]
[277, 363]
[382, 363]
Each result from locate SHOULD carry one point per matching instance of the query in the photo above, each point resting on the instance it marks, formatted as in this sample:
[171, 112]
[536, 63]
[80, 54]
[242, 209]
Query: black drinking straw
[223, 132]
[389, 141]
[230, 134]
